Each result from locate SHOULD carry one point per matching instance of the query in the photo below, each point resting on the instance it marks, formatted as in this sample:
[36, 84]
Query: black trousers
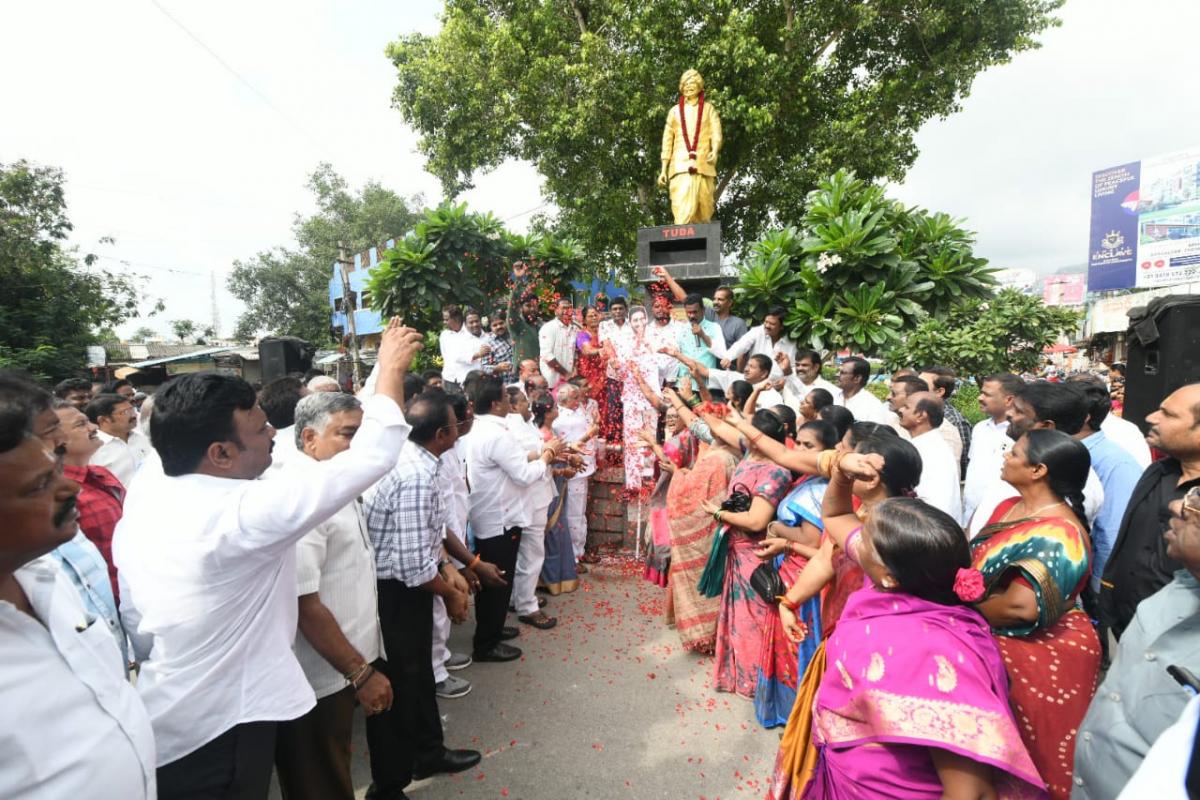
[234, 766]
[411, 732]
[491, 603]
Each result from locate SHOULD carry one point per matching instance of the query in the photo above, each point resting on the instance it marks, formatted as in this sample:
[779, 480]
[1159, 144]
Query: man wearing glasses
[1146, 690]
[1140, 563]
[124, 448]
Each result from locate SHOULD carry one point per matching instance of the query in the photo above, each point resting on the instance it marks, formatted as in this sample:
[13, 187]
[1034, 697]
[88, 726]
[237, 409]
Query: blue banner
[1112, 247]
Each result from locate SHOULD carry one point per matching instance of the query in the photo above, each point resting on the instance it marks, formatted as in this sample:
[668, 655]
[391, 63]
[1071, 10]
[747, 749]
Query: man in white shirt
[74, 726]
[758, 369]
[766, 339]
[463, 353]
[339, 633]
[556, 343]
[206, 560]
[616, 336]
[663, 331]
[576, 428]
[1042, 404]
[906, 385]
[989, 438]
[500, 471]
[921, 415]
[452, 342]
[852, 378]
[124, 448]
[803, 376]
[532, 553]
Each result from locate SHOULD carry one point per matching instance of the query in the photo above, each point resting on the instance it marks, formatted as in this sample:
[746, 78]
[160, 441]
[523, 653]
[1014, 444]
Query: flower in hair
[968, 585]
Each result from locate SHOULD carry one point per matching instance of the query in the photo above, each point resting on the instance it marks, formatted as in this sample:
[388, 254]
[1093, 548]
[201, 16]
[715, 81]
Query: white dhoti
[530, 556]
[441, 635]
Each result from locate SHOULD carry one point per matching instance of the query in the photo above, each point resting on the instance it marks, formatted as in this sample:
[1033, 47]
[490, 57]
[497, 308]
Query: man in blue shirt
[701, 339]
[1118, 473]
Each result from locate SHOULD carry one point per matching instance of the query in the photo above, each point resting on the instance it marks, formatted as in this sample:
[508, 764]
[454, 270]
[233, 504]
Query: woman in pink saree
[914, 701]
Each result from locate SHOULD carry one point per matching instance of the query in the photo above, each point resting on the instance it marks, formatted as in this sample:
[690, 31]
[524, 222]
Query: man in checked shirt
[406, 518]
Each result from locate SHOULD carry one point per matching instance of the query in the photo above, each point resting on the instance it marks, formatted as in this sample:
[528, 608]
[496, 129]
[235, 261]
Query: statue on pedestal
[690, 145]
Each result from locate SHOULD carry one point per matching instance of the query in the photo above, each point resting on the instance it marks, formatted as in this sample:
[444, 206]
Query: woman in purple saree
[914, 702]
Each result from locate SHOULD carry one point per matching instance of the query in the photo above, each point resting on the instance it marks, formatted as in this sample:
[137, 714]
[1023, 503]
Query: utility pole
[348, 304]
[212, 292]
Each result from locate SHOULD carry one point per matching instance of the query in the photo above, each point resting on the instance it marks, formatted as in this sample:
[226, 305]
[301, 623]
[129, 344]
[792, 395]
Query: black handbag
[738, 501]
[766, 583]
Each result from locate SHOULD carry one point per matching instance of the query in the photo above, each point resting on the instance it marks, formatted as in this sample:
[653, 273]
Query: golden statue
[690, 144]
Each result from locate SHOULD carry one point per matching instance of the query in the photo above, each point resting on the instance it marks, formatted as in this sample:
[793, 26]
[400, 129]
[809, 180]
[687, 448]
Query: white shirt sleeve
[273, 514]
[507, 454]
[742, 345]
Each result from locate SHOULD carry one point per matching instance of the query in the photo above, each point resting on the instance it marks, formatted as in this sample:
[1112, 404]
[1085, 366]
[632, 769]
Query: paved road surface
[606, 705]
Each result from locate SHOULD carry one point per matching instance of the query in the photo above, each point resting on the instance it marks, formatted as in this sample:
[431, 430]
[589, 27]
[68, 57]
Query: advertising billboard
[1145, 228]
[1065, 290]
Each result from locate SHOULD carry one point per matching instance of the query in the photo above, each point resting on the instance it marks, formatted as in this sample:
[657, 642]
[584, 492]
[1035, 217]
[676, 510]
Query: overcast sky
[189, 166]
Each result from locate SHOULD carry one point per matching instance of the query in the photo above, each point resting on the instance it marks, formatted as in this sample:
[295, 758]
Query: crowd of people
[201, 585]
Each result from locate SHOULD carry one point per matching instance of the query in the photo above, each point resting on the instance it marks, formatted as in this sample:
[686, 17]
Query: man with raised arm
[206, 560]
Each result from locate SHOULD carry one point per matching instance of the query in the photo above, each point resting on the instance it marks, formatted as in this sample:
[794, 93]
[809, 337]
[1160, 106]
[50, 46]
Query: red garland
[691, 145]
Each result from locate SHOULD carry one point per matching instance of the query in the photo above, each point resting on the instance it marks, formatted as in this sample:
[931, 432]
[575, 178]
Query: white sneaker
[452, 687]
[458, 661]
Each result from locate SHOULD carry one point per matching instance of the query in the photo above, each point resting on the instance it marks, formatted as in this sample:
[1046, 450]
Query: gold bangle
[476, 560]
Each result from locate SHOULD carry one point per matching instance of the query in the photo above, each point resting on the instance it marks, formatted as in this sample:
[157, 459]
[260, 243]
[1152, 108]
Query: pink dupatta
[909, 674]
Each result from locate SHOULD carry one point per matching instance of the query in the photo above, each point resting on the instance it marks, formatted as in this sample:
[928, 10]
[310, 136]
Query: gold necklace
[1033, 513]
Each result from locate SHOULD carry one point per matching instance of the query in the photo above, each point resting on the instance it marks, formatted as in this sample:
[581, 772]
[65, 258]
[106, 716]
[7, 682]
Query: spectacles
[1191, 502]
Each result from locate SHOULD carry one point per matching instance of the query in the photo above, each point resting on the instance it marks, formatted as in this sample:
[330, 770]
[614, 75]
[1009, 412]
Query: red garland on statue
[690, 143]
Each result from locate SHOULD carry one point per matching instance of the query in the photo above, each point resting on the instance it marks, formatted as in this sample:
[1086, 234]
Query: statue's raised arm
[690, 146]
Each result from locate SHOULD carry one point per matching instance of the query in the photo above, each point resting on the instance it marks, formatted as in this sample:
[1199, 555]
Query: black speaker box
[281, 355]
[1164, 353]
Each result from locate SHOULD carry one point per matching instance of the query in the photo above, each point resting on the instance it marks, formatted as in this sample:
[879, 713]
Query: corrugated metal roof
[208, 351]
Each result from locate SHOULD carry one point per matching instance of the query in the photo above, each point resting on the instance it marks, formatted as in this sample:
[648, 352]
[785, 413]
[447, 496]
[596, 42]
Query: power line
[313, 140]
[526, 211]
[153, 266]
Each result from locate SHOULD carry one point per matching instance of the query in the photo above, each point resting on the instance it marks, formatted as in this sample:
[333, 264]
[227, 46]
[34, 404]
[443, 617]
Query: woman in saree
[558, 570]
[590, 357]
[743, 614]
[847, 500]
[792, 538]
[1033, 555]
[678, 450]
[692, 528]
[914, 704]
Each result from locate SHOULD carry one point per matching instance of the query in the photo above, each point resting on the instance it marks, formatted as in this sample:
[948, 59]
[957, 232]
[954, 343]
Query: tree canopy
[286, 289]
[53, 304]
[581, 89]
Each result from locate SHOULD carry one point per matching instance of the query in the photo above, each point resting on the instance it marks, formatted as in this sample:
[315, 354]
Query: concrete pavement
[606, 705]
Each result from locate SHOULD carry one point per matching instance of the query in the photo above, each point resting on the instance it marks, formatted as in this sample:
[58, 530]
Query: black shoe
[451, 761]
[509, 632]
[501, 652]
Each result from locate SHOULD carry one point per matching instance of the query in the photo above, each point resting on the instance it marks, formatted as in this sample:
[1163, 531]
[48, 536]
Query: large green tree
[52, 303]
[581, 89]
[286, 288]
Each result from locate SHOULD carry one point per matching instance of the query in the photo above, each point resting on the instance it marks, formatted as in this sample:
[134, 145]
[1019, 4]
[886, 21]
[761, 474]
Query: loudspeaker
[280, 355]
[1164, 353]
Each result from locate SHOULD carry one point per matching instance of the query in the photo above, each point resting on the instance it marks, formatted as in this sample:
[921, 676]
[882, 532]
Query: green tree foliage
[143, 334]
[453, 255]
[581, 88]
[286, 289]
[860, 269]
[183, 329]
[52, 304]
[981, 337]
